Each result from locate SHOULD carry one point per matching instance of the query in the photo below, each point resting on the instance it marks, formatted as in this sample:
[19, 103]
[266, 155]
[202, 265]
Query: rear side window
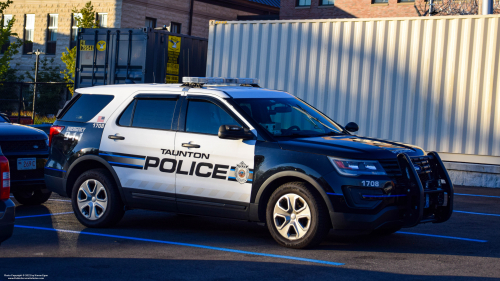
[86, 107]
[149, 113]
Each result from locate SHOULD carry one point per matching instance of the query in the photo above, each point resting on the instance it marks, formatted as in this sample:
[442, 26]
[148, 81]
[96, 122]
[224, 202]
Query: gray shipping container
[120, 55]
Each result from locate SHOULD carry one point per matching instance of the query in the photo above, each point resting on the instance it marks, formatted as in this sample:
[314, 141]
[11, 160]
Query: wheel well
[79, 169]
[266, 194]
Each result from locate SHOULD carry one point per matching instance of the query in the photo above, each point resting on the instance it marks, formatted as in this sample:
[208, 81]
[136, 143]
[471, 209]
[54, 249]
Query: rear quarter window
[86, 107]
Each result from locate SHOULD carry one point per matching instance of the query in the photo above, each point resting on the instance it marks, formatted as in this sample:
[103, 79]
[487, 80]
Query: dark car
[27, 150]
[7, 207]
[240, 152]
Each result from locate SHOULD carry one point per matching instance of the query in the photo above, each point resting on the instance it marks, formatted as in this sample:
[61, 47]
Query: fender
[278, 175]
[102, 161]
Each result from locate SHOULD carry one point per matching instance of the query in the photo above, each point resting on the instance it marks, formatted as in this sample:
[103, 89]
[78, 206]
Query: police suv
[227, 148]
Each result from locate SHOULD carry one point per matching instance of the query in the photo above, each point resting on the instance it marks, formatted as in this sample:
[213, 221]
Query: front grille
[22, 146]
[393, 170]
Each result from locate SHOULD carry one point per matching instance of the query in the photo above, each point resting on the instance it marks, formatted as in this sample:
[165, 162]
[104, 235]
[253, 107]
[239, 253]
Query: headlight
[349, 167]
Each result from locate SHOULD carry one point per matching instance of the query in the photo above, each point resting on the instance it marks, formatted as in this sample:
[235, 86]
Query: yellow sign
[173, 68]
[84, 47]
[174, 44]
[101, 46]
[172, 79]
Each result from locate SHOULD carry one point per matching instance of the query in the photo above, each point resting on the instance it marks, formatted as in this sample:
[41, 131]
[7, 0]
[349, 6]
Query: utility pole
[37, 53]
[487, 7]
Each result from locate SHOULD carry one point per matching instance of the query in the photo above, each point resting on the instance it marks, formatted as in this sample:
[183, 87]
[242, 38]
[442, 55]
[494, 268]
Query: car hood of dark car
[350, 146]
[16, 132]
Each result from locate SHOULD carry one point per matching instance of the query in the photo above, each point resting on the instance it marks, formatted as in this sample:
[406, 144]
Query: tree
[87, 20]
[9, 48]
[453, 7]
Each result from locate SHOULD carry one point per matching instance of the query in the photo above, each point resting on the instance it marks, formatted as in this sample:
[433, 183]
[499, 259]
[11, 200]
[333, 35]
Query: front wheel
[96, 200]
[32, 198]
[296, 216]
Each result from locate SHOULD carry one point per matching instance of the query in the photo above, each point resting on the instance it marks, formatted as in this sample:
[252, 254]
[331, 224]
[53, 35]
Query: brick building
[50, 24]
[327, 9]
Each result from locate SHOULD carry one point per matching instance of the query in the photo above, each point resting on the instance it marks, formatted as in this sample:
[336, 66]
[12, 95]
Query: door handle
[190, 145]
[115, 137]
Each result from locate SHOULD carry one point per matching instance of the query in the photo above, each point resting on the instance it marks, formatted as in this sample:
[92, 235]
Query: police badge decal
[242, 172]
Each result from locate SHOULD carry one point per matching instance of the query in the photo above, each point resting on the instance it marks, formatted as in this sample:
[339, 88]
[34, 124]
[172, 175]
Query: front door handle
[190, 145]
[115, 137]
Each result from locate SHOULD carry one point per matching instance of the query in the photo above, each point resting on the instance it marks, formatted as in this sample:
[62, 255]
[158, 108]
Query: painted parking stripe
[184, 244]
[477, 195]
[474, 213]
[44, 215]
[442, 236]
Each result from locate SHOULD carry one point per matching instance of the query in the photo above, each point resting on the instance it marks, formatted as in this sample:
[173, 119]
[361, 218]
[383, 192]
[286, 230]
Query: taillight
[4, 178]
[54, 130]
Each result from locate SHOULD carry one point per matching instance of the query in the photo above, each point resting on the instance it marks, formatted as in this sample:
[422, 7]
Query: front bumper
[27, 180]
[7, 217]
[416, 198]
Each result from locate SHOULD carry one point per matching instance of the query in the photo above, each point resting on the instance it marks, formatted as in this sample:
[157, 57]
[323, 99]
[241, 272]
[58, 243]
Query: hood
[16, 132]
[349, 146]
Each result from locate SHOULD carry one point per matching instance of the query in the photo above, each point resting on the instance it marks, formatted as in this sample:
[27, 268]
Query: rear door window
[149, 113]
[86, 107]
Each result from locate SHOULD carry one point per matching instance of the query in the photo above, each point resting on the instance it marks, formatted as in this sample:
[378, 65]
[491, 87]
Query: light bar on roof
[219, 80]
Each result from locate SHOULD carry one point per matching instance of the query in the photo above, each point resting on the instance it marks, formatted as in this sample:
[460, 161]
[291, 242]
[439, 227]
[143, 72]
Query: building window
[29, 33]
[327, 2]
[102, 18]
[50, 48]
[5, 22]
[74, 30]
[303, 3]
[379, 1]
[175, 27]
[150, 22]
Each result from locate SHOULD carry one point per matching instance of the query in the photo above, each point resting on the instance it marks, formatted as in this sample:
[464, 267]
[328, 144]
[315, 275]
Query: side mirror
[352, 127]
[233, 132]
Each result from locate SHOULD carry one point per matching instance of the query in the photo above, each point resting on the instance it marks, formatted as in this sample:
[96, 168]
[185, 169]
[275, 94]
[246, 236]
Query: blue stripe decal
[183, 244]
[232, 170]
[55, 169]
[475, 195]
[44, 215]
[441, 236]
[233, 178]
[384, 196]
[250, 172]
[473, 213]
[125, 164]
[104, 154]
[336, 194]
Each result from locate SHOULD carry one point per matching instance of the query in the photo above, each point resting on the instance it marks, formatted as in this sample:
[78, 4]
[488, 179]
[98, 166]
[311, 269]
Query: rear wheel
[96, 200]
[297, 217]
[32, 198]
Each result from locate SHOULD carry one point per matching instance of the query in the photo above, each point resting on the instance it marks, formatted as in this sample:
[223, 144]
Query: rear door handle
[115, 137]
[190, 145]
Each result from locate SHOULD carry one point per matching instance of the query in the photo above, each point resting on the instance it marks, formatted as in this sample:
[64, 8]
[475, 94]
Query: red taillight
[54, 130]
[4, 178]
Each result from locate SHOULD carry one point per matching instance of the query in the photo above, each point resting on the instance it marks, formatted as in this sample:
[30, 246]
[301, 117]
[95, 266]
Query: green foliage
[87, 20]
[6, 35]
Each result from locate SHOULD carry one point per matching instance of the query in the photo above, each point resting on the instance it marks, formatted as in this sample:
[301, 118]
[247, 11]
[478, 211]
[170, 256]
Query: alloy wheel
[92, 199]
[292, 216]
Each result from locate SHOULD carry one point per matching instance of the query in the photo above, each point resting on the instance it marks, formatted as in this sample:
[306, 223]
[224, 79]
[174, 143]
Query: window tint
[154, 114]
[126, 117]
[86, 107]
[206, 117]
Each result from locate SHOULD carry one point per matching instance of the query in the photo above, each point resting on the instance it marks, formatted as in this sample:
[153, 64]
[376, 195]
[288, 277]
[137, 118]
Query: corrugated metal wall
[433, 81]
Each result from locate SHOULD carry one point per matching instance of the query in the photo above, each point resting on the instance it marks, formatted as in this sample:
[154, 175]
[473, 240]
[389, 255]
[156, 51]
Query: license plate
[427, 204]
[26, 164]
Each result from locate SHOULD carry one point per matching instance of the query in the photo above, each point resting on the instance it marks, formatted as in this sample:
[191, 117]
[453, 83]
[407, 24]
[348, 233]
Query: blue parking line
[442, 236]
[476, 195]
[184, 244]
[44, 215]
[473, 213]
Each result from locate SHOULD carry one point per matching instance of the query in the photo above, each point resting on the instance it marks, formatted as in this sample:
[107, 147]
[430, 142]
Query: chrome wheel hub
[92, 199]
[292, 216]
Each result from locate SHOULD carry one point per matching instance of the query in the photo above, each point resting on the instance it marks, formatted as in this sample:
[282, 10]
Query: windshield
[288, 117]
[3, 119]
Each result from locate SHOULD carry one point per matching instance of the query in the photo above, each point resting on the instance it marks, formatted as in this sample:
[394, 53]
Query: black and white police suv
[226, 148]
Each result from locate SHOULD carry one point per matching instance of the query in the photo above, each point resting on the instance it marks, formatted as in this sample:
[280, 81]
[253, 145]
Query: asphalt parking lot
[146, 245]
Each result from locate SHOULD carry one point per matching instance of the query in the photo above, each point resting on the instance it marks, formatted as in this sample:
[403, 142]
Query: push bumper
[7, 217]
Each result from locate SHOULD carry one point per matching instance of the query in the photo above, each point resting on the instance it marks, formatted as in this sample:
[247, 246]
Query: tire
[96, 200]
[386, 231]
[296, 216]
[32, 198]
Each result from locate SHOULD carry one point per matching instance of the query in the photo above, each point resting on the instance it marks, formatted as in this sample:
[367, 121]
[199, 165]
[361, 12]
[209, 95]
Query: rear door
[133, 143]
[213, 176]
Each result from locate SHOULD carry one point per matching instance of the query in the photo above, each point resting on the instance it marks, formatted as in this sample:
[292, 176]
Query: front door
[213, 176]
[132, 144]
